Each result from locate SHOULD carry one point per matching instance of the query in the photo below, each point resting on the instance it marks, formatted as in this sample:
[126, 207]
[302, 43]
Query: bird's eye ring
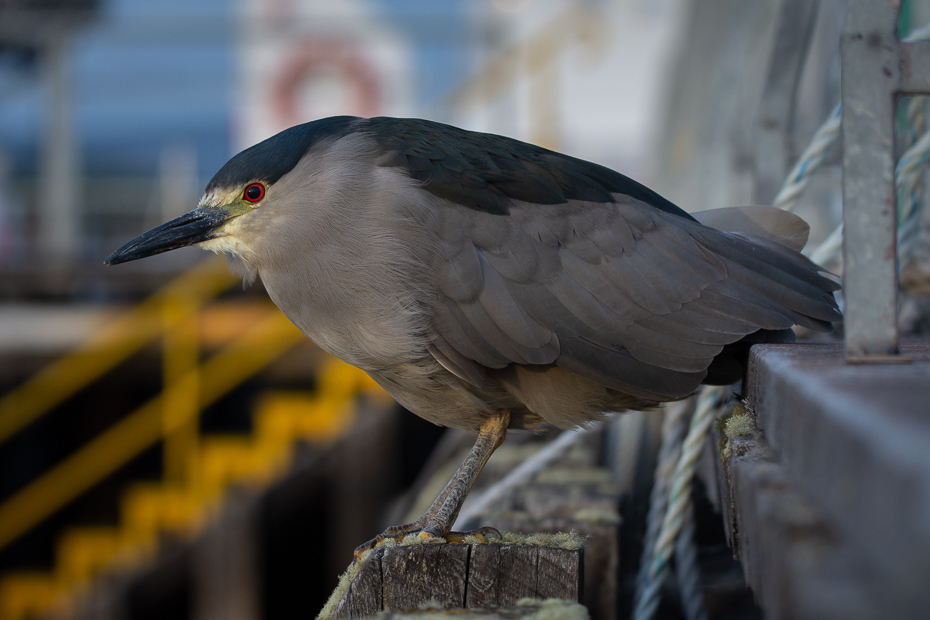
[254, 192]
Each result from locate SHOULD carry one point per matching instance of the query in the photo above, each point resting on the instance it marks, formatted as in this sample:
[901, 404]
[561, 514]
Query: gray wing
[631, 297]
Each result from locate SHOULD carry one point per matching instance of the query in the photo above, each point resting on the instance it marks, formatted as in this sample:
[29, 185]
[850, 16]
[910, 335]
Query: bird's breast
[353, 307]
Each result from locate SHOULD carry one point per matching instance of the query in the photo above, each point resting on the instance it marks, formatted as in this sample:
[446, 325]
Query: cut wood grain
[559, 574]
[411, 576]
[363, 597]
[527, 610]
[461, 576]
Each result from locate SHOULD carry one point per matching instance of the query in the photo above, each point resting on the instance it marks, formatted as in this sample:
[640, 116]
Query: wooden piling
[462, 576]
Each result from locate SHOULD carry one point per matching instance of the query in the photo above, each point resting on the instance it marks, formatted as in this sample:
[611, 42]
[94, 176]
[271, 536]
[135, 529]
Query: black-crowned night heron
[490, 284]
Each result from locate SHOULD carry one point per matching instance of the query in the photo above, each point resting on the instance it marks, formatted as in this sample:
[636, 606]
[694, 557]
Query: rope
[829, 248]
[679, 495]
[686, 567]
[910, 189]
[909, 184]
[674, 429]
[810, 162]
[908, 175]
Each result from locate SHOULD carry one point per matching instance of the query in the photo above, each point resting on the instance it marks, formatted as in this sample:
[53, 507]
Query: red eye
[254, 192]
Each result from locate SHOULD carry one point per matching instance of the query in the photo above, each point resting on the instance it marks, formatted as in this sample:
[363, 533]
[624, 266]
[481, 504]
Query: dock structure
[824, 484]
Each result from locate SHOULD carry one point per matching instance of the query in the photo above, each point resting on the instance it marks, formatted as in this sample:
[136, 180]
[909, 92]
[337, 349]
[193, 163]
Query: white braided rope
[829, 248]
[910, 187]
[909, 184]
[908, 175]
[674, 429]
[686, 567]
[810, 162]
[704, 415]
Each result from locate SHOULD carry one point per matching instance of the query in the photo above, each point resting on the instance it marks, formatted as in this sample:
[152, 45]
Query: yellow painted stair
[181, 508]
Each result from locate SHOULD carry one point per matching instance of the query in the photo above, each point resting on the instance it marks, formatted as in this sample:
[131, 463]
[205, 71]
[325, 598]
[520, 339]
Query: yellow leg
[491, 436]
[437, 521]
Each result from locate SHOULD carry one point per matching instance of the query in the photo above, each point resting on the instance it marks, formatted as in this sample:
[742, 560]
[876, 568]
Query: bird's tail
[768, 245]
[769, 223]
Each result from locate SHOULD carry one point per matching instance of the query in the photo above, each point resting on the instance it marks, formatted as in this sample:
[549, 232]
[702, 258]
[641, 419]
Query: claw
[483, 534]
[362, 548]
[374, 542]
[437, 521]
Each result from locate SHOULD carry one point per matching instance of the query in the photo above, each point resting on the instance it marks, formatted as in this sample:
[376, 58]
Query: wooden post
[226, 583]
[461, 576]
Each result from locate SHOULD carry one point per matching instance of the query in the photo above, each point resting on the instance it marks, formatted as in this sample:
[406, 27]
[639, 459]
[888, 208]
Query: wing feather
[618, 370]
[451, 324]
[585, 306]
[456, 363]
[636, 300]
[593, 281]
[461, 277]
[506, 313]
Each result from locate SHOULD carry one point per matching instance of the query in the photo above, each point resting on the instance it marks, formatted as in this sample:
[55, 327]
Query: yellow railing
[124, 336]
[145, 426]
[182, 507]
[197, 469]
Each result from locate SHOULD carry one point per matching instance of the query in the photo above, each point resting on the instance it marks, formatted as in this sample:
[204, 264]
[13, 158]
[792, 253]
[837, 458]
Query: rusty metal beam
[877, 68]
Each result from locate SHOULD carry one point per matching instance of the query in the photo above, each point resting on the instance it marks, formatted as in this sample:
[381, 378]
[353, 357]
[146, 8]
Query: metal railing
[877, 69]
[142, 428]
[124, 336]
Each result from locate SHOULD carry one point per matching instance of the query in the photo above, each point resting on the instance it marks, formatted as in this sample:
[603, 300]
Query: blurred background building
[136, 402]
[125, 108]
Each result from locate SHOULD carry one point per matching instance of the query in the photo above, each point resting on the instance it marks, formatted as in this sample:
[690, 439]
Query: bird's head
[245, 186]
[212, 225]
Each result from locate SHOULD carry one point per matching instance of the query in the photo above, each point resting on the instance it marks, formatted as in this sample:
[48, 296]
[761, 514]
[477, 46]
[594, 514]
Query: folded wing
[631, 297]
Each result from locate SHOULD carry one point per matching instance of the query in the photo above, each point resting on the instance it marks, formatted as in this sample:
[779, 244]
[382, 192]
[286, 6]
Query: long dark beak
[192, 227]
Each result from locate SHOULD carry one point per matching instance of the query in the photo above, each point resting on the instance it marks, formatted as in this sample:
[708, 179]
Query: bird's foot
[437, 521]
[399, 532]
[483, 534]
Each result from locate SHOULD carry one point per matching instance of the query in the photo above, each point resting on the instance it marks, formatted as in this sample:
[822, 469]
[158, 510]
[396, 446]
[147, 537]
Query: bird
[489, 284]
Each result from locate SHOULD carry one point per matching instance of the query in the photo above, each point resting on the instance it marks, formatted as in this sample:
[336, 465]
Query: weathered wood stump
[528, 609]
[461, 576]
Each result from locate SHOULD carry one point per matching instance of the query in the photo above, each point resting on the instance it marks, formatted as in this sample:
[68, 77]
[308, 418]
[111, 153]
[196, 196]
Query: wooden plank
[518, 573]
[484, 576]
[560, 574]
[538, 610]
[459, 576]
[570, 494]
[363, 597]
[421, 573]
[224, 565]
